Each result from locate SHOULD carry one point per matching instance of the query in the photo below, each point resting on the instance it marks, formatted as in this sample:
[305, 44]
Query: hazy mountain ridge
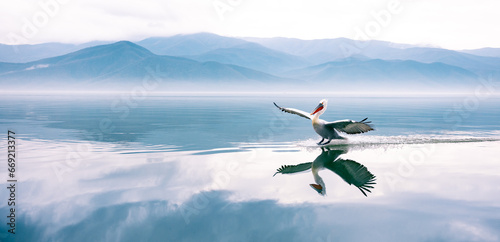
[254, 56]
[356, 69]
[325, 50]
[28, 53]
[123, 61]
[490, 52]
[192, 44]
[210, 59]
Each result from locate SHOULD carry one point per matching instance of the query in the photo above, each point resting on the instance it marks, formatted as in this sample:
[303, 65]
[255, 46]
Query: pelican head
[318, 188]
[320, 184]
[320, 109]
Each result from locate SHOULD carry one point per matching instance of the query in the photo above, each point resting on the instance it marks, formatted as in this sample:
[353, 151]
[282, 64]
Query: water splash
[363, 142]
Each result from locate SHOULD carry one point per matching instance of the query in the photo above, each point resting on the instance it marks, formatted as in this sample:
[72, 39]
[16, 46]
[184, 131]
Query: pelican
[350, 171]
[328, 130]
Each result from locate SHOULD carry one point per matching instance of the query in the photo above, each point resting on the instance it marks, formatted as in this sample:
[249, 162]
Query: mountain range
[207, 61]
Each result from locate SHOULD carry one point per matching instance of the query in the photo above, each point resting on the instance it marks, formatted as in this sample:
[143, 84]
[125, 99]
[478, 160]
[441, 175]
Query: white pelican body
[328, 130]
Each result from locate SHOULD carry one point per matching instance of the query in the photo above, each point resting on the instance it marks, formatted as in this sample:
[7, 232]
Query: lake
[200, 168]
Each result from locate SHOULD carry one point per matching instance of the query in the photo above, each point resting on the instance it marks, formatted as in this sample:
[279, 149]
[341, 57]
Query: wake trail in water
[362, 142]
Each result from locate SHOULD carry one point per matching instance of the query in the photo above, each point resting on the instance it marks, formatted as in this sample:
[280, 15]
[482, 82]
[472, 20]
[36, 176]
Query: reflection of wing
[351, 126]
[287, 169]
[294, 111]
[353, 173]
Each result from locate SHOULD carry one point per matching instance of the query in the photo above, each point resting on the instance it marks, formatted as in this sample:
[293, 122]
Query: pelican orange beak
[318, 188]
[317, 109]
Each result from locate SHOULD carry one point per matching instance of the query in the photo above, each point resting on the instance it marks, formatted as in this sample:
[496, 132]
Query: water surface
[107, 168]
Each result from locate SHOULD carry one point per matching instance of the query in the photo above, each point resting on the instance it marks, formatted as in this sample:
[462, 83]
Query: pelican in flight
[328, 130]
[350, 171]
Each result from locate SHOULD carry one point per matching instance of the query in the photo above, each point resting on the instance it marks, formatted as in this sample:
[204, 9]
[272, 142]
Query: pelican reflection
[350, 171]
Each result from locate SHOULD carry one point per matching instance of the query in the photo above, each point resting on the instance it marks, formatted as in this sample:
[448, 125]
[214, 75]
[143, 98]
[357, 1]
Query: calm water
[95, 168]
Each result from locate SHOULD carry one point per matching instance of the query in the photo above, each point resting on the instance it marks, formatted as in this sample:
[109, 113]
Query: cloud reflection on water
[168, 194]
[268, 220]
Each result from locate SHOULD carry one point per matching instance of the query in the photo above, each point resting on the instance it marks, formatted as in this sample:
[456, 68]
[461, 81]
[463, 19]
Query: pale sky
[452, 24]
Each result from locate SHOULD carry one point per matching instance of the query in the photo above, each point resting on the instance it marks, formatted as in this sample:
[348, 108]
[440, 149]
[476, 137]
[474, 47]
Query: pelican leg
[327, 142]
[319, 143]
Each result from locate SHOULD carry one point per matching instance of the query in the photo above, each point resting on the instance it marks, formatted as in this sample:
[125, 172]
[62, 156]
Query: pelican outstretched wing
[287, 169]
[294, 111]
[350, 126]
[353, 173]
